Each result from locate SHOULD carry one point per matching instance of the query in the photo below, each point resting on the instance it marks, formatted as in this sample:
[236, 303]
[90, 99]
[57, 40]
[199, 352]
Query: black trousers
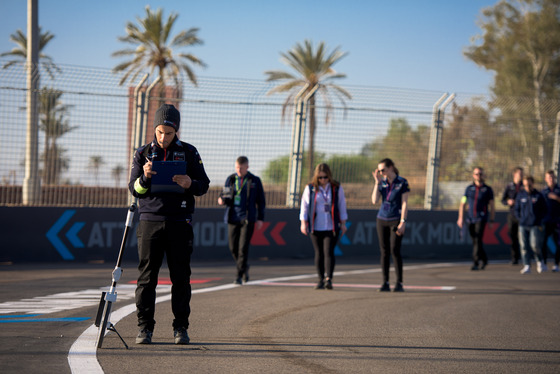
[513, 232]
[156, 239]
[551, 230]
[323, 244]
[390, 244]
[476, 231]
[239, 235]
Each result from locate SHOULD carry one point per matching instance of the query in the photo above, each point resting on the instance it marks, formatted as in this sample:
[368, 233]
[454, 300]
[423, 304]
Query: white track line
[82, 356]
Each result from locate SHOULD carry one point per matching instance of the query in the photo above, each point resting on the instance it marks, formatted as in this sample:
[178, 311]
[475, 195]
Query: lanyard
[237, 188]
[325, 195]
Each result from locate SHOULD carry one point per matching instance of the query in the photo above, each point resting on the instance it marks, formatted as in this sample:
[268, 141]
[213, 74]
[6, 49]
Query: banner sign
[95, 234]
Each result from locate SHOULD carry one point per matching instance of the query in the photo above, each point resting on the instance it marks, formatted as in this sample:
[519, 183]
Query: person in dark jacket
[392, 191]
[165, 223]
[530, 209]
[552, 220]
[245, 200]
[323, 217]
[479, 201]
[508, 199]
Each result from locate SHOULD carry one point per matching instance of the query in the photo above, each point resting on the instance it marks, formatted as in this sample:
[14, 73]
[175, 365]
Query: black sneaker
[237, 281]
[484, 265]
[181, 336]
[398, 287]
[328, 284]
[144, 337]
[474, 268]
[246, 275]
[385, 287]
[320, 285]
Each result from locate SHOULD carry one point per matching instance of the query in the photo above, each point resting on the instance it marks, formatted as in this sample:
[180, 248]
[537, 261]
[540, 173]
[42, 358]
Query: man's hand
[148, 169]
[182, 180]
[259, 225]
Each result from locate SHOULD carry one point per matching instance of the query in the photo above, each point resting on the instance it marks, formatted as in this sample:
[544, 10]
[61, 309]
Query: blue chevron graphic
[52, 234]
[72, 234]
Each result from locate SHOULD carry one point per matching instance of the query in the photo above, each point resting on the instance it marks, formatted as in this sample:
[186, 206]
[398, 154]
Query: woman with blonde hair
[323, 217]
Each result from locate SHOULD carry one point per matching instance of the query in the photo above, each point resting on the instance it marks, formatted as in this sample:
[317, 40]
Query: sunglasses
[382, 170]
[322, 177]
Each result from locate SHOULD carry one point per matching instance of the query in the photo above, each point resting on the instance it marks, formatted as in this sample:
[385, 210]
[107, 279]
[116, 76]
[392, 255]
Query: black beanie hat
[167, 115]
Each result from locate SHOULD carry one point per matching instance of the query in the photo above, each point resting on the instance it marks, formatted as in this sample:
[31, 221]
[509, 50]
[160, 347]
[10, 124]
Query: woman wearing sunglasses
[323, 217]
[392, 190]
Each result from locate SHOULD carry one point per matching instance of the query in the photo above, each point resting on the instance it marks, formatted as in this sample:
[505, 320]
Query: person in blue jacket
[243, 196]
[552, 220]
[165, 223]
[479, 201]
[392, 190]
[530, 210]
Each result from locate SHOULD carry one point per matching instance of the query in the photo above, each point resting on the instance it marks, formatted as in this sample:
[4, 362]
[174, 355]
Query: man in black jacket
[508, 199]
[165, 222]
[244, 197]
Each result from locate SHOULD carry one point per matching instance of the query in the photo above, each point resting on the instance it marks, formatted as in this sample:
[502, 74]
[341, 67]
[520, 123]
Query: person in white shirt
[323, 217]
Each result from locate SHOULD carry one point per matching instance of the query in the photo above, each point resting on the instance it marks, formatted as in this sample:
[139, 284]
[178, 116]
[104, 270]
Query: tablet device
[162, 181]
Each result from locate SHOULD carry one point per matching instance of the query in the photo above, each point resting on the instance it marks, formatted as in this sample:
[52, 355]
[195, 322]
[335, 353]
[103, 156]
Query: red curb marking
[347, 285]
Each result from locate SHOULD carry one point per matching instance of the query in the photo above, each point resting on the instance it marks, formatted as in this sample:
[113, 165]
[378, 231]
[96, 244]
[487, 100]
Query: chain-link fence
[86, 122]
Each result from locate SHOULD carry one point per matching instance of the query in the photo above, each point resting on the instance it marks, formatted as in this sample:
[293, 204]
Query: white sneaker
[555, 269]
[526, 269]
[541, 267]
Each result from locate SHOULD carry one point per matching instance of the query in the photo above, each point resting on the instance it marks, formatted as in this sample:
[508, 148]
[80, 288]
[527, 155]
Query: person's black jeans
[513, 232]
[476, 231]
[323, 244]
[239, 235]
[390, 243]
[156, 239]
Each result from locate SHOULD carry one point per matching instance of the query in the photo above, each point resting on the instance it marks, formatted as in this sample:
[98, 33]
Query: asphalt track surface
[449, 320]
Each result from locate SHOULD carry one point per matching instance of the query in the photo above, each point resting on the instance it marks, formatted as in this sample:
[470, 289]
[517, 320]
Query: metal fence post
[431, 196]
[298, 136]
[139, 102]
[556, 149]
[294, 168]
[31, 188]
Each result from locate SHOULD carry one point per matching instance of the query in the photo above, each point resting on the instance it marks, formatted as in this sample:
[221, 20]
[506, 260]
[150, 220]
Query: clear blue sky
[398, 43]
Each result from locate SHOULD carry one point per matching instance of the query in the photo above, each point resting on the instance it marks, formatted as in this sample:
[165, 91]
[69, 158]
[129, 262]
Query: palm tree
[53, 123]
[116, 173]
[20, 52]
[314, 68]
[95, 163]
[152, 49]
